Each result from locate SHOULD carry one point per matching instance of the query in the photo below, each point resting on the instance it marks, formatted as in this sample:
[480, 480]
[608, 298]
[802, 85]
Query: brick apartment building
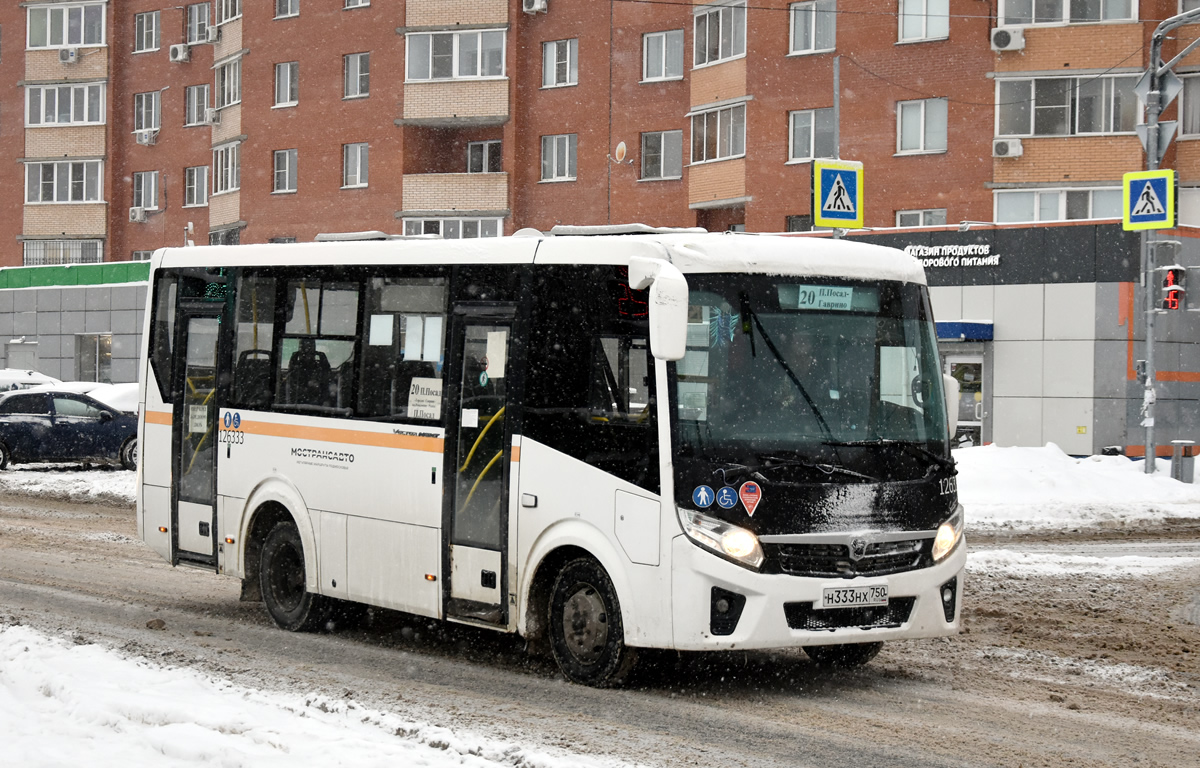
[261, 120]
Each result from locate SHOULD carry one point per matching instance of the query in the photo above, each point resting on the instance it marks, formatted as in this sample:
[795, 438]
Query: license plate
[854, 597]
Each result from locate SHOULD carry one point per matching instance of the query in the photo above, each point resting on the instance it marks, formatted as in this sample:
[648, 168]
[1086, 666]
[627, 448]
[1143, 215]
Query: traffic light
[1174, 295]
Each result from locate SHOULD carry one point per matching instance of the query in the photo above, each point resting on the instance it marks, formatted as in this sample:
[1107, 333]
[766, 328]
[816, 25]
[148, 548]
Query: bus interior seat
[308, 374]
[252, 378]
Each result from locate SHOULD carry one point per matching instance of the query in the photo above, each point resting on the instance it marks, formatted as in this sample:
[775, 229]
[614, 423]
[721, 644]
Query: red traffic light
[1174, 288]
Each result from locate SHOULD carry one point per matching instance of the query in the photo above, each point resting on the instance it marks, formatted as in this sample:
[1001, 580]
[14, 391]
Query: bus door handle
[979, 411]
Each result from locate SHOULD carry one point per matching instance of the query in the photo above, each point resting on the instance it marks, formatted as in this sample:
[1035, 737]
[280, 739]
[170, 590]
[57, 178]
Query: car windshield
[808, 369]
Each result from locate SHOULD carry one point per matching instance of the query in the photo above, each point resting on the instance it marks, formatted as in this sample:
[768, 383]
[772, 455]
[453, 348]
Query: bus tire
[129, 453]
[282, 579]
[5, 456]
[844, 656]
[587, 637]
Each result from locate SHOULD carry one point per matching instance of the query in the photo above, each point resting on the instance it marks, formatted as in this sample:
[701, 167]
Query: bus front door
[193, 513]
[477, 498]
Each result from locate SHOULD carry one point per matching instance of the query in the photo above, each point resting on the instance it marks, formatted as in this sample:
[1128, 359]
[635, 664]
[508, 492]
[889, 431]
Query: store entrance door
[968, 370]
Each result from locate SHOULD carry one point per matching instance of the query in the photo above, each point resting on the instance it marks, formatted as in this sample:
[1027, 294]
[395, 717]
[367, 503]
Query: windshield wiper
[826, 468]
[907, 445]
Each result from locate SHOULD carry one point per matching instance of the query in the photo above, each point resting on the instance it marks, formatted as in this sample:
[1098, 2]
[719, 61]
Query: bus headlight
[737, 544]
[948, 535]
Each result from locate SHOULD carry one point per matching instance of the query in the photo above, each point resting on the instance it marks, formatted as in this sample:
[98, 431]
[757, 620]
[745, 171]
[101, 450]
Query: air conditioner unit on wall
[1008, 39]
[68, 55]
[137, 214]
[212, 34]
[1007, 148]
[212, 116]
[179, 53]
[145, 138]
[535, 6]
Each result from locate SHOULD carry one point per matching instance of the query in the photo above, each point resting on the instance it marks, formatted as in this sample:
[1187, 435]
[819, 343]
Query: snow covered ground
[62, 703]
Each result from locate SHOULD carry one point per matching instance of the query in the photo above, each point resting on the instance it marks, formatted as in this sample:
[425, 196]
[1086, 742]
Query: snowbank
[1044, 488]
[66, 704]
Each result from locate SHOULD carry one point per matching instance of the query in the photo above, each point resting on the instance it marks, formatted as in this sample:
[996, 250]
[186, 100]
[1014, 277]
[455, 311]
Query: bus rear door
[193, 511]
[478, 467]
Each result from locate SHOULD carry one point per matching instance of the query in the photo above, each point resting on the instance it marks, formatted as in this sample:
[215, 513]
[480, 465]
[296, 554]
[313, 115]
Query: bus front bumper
[719, 605]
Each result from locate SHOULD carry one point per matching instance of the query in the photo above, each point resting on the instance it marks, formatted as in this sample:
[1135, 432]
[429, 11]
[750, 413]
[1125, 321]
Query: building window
[812, 135]
[65, 104]
[145, 190]
[287, 8]
[146, 111]
[719, 134]
[560, 63]
[63, 182]
[1189, 104]
[800, 223]
[229, 236]
[662, 55]
[229, 84]
[483, 157]
[921, 126]
[141, 255]
[287, 84]
[1024, 12]
[354, 165]
[228, 10]
[285, 170]
[281, 240]
[65, 24]
[924, 19]
[930, 217]
[814, 26]
[662, 155]
[357, 3]
[357, 68]
[227, 168]
[449, 55]
[93, 357]
[558, 157]
[1028, 205]
[195, 186]
[1066, 106]
[197, 23]
[146, 31]
[42, 252]
[197, 102]
[453, 229]
[720, 33]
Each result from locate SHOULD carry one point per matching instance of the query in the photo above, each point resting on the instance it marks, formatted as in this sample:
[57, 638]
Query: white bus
[602, 442]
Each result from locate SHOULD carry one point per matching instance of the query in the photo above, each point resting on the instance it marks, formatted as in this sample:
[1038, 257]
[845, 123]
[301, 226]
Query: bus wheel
[845, 656]
[281, 577]
[5, 456]
[586, 634]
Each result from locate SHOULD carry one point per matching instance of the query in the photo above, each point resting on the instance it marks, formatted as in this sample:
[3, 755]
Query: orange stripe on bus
[515, 453]
[157, 417]
[347, 436]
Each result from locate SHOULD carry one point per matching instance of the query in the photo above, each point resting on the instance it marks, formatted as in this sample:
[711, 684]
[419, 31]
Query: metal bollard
[1182, 460]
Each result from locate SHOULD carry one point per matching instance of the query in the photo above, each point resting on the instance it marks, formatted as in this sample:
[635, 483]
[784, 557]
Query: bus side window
[316, 367]
[255, 328]
[162, 330]
[404, 342]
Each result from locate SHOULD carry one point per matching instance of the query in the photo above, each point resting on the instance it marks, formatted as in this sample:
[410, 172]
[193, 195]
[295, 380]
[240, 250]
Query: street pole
[1154, 107]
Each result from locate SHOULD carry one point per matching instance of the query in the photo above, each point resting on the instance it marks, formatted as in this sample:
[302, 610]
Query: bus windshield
[810, 370]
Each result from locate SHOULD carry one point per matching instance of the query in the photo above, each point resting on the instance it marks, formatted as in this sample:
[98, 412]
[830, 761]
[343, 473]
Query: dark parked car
[64, 426]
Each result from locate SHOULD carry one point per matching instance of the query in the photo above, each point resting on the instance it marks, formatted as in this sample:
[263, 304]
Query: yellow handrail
[479, 479]
[491, 421]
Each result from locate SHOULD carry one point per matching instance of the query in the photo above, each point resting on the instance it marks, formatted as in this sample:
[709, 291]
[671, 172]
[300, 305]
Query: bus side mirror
[668, 305]
[951, 386]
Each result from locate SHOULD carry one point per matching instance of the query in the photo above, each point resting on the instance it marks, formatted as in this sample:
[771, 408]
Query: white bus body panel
[577, 507]
[375, 487]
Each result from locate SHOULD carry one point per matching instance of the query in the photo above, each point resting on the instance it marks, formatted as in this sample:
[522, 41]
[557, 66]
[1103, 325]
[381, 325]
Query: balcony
[440, 193]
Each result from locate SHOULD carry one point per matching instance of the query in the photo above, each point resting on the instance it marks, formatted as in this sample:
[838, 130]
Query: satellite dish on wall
[620, 154]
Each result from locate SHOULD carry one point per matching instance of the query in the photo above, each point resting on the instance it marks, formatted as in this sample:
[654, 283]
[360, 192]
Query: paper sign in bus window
[425, 398]
[197, 419]
[497, 351]
[381, 331]
[431, 349]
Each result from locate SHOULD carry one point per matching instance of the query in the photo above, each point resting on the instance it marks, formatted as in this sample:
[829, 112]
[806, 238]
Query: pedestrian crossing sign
[1148, 199]
[837, 187]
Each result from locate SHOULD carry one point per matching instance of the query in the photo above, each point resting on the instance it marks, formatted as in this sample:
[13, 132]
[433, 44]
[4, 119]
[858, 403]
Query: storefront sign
[973, 255]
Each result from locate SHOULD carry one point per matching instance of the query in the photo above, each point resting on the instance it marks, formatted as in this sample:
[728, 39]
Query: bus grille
[804, 616]
[880, 558]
